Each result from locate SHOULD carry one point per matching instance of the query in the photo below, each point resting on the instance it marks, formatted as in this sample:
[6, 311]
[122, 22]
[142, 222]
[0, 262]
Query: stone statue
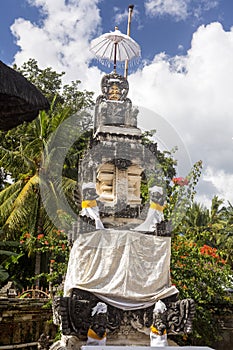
[43, 342]
[158, 333]
[96, 334]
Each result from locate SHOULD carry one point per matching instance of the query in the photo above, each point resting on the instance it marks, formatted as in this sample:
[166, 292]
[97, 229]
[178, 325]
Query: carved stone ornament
[121, 164]
[75, 316]
[114, 87]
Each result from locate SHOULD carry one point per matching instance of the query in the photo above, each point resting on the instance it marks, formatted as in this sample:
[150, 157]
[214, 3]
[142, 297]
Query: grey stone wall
[24, 320]
[226, 324]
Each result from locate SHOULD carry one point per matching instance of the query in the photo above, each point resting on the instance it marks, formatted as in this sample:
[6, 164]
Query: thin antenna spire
[130, 8]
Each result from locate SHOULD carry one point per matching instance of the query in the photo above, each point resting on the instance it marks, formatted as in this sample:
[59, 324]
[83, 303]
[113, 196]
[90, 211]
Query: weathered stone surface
[24, 320]
[74, 314]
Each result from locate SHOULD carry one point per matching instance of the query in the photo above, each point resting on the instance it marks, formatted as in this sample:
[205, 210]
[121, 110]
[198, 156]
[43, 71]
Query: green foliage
[54, 247]
[49, 82]
[8, 254]
[165, 161]
[21, 153]
[212, 226]
[181, 194]
[200, 272]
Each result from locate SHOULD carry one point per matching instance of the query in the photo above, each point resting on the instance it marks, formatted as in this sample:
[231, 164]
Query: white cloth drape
[149, 225]
[93, 213]
[127, 269]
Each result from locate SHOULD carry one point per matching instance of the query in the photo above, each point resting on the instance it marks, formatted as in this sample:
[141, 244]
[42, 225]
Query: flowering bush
[201, 273]
[180, 195]
[54, 248]
[180, 181]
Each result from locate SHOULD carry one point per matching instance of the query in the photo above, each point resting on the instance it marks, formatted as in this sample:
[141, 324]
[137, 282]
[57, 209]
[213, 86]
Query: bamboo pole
[130, 8]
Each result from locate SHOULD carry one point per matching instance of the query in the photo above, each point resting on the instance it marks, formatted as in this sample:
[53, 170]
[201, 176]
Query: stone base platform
[85, 347]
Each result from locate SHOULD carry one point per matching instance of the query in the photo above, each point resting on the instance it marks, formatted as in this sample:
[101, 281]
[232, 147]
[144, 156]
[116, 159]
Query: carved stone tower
[120, 259]
[117, 158]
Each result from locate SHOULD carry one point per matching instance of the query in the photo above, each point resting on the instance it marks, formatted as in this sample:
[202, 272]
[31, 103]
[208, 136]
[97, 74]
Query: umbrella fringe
[107, 63]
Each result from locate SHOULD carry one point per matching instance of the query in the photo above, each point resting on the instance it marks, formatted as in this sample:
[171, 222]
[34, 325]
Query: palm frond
[7, 253]
[68, 184]
[9, 190]
[24, 205]
[7, 206]
[34, 180]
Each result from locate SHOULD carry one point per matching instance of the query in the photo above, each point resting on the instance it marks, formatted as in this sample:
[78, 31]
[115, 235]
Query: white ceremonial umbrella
[115, 46]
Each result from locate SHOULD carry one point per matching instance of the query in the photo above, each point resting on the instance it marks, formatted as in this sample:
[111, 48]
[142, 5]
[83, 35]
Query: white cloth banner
[127, 269]
[93, 213]
[149, 225]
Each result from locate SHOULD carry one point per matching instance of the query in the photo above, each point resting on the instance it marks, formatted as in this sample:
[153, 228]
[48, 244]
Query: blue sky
[185, 74]
[164, 31]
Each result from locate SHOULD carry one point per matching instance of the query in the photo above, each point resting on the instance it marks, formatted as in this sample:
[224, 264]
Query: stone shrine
[117, 288]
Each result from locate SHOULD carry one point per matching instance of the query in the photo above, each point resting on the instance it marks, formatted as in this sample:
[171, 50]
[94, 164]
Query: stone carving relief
[105, 185]
[119, 177]
[75, 317]
[113, 107]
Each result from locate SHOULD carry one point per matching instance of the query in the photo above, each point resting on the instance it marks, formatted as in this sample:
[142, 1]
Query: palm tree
[196, 220]
[21, 207]
[22, 149]
[212, 226]
[225, 237]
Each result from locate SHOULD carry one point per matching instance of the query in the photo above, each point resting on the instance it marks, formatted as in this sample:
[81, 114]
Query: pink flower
[180, 181]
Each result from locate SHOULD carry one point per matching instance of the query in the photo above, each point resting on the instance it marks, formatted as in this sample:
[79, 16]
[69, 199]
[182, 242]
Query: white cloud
[62, 38]
[221, 181]
[176, 8]
[179, 9]
[194, 93]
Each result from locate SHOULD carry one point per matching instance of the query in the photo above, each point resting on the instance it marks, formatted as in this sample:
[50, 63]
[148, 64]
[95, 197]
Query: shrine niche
[112, 179]
[105, 185]
[134, 184]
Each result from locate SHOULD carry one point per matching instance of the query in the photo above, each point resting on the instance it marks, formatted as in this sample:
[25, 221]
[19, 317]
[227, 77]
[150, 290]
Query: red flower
[180, 181]
[52, 261]
[207, 250]
[27, 235]
[40, 236]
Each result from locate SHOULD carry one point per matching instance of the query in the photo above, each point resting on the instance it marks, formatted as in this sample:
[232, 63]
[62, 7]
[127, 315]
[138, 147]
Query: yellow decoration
[155, 330]
[156, 206]
[92, 334]
[89, 204]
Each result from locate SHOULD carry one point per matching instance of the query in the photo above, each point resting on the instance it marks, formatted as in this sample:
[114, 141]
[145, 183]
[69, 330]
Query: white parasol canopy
[115, 46]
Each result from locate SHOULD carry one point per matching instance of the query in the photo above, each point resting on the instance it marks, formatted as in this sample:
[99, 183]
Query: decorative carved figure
[155, 211]
[158, 333]
[43, 342]
[96, 334]
[89, 205]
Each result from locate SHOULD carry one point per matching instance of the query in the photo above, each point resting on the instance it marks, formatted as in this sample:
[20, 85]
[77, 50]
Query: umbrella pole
[128, 33]
[115, 54]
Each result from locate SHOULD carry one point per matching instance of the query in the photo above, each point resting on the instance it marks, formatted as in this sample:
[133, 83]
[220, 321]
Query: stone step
[110, 347]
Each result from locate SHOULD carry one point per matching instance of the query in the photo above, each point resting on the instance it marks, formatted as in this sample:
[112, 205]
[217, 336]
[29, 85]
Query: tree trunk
[37, 268]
